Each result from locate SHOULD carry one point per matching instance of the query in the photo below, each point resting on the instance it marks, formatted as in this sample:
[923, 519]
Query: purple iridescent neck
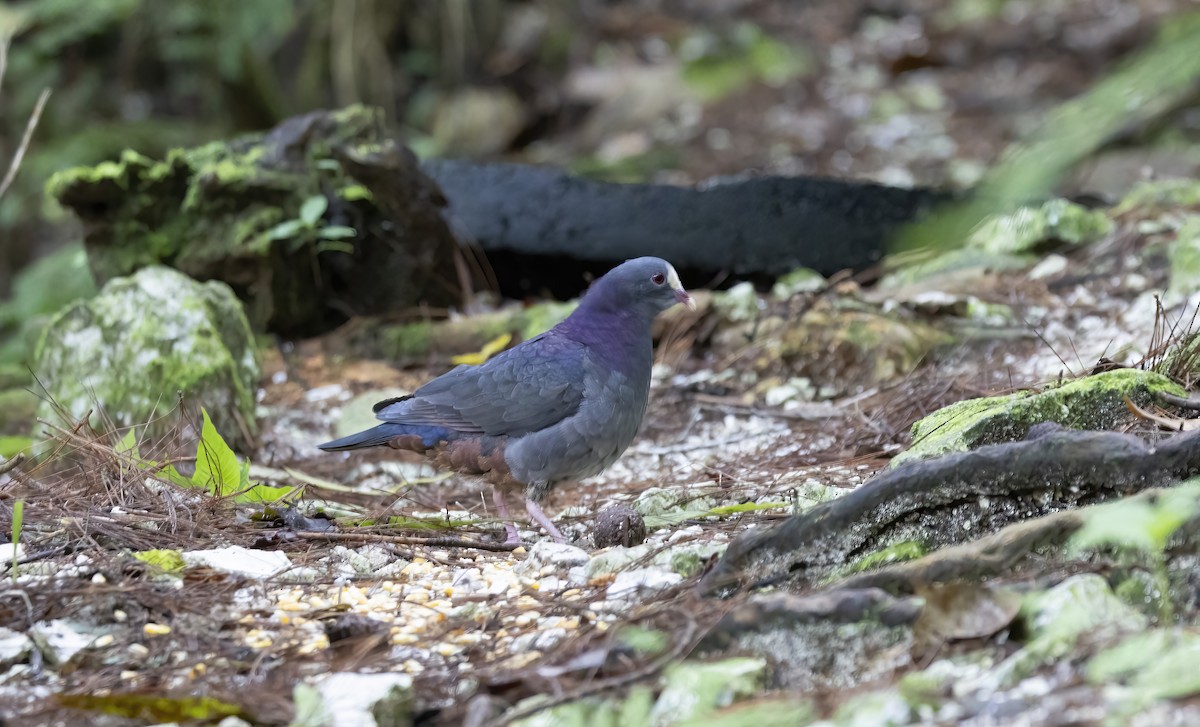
[618, 330]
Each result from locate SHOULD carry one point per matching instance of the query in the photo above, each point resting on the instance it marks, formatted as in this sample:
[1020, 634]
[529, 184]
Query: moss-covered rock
[1028, 228]
[142, 341]
[321, 217]
[1002, 242]
[844, 350]
[1094, 402]
[1057, 618]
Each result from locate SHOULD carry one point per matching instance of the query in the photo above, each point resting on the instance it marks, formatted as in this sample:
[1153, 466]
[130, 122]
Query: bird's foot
[514, 537]
[510, 528]
[540, 517]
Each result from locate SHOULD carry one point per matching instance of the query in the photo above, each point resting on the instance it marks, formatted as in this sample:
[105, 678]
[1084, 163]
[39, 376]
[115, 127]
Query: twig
[13, 463]
[1179, 401]
[15, 164]
[440, 542]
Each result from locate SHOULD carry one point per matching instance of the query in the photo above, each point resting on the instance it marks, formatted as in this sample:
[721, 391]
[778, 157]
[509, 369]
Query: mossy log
[242, 212]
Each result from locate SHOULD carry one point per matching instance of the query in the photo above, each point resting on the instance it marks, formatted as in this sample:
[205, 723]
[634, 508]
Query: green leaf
[164, 560]
[285, 229]
[172, 475]
[10, 446]
[1143, 524]
[217, 467]
[128, 445]
[313, 209]
[337, 232]
[18, 522]
[329, 246]
[264, 493]
[309, 707]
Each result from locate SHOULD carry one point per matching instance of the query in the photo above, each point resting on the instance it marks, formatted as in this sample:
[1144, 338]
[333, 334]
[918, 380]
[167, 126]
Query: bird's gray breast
[587, 442]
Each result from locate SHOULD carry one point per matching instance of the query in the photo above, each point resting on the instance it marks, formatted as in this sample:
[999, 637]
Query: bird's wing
[526, 388]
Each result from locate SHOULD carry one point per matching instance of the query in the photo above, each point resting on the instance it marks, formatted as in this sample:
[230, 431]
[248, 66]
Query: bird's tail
[376, 436]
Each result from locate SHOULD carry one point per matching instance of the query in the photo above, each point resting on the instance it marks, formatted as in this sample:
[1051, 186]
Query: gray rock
[15, 647]
[143, 340]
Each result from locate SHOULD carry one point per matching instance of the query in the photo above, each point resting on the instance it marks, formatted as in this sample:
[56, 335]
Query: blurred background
[904, 92]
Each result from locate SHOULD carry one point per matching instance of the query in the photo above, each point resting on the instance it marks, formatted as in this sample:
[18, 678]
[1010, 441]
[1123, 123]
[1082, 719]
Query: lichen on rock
[142, 341]
[1094, 402]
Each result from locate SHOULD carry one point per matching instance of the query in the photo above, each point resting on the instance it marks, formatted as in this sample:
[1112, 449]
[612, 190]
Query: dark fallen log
[954, 499]
[543, 228]
[328, 216]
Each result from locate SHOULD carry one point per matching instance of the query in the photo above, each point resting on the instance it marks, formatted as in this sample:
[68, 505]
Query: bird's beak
[681, 295]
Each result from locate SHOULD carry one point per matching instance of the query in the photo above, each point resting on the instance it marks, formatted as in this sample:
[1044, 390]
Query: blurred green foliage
[1154, 81]
[152, 75]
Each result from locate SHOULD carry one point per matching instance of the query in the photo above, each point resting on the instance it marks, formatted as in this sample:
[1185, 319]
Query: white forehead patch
[673, 278]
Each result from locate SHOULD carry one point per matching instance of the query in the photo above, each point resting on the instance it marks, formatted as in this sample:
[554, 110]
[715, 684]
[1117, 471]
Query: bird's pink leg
[536, 513]
[514, 538]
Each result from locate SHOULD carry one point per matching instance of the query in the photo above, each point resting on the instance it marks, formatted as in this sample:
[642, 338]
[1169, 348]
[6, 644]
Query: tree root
[953, 499]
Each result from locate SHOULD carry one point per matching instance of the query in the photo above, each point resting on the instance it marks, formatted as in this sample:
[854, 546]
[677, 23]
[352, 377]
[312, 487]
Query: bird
[556, 408]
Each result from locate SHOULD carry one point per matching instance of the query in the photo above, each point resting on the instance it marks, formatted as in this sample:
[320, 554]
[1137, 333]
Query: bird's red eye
[658, 278]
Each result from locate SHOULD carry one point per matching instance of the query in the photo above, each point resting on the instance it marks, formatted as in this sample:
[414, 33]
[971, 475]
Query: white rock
[559, 556]
[641, 581]
[349, 697]
[241, 561]
[15, 647]
[10, 552]
[61, 639]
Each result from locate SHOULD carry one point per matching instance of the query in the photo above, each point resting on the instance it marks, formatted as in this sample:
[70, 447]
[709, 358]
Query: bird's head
[648, 284]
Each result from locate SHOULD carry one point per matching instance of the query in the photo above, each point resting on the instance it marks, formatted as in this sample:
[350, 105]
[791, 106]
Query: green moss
[686, 564]
[851, 348]
[952, 262]
[1094, 402]
[800, 280]
[896, 553]
[537, 319]
[1025, 229]
[407, 341]
[1150, 198]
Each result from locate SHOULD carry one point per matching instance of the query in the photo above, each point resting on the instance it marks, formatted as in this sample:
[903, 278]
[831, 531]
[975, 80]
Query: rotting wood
[953, 499]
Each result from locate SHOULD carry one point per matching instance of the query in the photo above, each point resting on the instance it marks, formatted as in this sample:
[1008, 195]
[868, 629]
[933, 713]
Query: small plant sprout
[307, 227]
